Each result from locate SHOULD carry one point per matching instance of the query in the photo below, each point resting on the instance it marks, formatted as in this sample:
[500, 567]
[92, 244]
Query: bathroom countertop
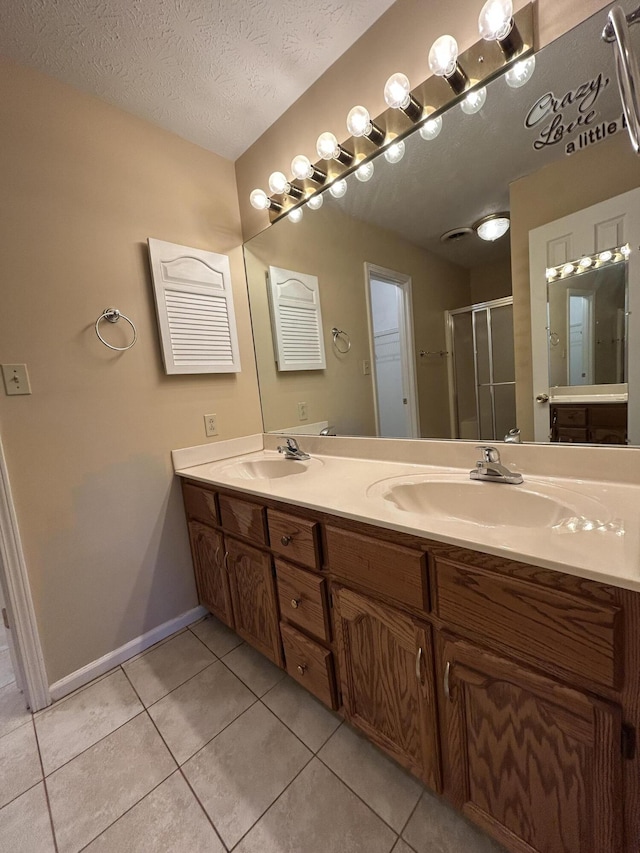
[598, 539]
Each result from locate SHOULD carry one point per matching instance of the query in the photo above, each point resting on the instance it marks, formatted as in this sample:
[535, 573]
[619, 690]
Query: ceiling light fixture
[495, 23]
[329, 148]
[397, 95]
[492, 227]
[261, 201]
[303, 169]
[279, 184]
[443, 62]
[359, 124]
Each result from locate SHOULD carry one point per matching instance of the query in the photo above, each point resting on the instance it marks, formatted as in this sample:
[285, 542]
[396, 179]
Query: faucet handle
[489, 453]
[292, 444]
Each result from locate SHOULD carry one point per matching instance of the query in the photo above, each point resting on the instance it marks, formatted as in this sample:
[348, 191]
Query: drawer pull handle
[295, 603]
[418, 660]
[225, 561]
[286, 540]
[217, 554]
[447, 686]
[302, 668]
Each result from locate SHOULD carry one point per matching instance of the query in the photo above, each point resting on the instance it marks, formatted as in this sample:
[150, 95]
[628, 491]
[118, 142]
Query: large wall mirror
[431, 331]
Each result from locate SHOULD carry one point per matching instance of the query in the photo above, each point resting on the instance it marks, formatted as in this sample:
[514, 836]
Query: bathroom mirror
[587, 311]
[541, 151]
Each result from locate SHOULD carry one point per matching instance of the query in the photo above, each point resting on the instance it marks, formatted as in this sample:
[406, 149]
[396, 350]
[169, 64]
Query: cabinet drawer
[552, 629]
[200, 504]
[243, 518]
[310, 665]
[294, 538]
[570, 435]
[396, 572]
[571, 416]
[303, 599]
[608, 415]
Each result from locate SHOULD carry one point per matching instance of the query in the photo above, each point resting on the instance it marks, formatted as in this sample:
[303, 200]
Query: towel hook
[112, 315]
[338, 333]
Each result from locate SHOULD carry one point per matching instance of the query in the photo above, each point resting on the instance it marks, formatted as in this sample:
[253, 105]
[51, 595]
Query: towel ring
[617, 31]
[112, 315]
[337, 333]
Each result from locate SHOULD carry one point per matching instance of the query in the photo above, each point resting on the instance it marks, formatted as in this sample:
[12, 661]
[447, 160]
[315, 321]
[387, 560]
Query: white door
[391, 339]
[603, 226]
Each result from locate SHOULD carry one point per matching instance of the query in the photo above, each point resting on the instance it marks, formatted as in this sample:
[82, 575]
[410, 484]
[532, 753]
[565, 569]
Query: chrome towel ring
[617, 32]
[112, 315]
[338, 333]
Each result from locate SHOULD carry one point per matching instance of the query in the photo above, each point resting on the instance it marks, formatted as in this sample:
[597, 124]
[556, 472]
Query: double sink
[444, 495]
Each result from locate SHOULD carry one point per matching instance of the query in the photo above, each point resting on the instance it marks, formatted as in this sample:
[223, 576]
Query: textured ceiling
[216, 72]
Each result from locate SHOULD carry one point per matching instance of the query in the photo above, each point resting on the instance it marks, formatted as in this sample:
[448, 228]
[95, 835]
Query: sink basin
[269, 469]
[489, 504]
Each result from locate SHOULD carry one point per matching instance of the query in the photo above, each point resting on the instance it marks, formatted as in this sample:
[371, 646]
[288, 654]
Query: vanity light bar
[589, 262]
[475, 67]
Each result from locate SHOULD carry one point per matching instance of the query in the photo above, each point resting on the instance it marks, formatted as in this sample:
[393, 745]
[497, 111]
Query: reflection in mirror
[542, 151]
[587, 320]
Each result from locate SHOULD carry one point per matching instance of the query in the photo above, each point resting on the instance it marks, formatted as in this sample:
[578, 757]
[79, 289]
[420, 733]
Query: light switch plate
[16, 379]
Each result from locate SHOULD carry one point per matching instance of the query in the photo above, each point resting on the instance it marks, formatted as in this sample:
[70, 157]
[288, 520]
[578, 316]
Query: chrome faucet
[490, 470]
[292, 450]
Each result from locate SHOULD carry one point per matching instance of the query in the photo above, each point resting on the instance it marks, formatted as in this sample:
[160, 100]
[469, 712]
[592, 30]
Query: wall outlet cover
[211, 425]
[303, 411]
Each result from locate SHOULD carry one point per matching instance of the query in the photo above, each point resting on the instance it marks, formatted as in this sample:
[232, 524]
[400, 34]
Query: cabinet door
[253, 592]
[207, 549]
[386, 671]
[536, 764]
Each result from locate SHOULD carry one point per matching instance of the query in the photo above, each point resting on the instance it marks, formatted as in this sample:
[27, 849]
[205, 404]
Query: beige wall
[334, 247]
[491, 281]
[399, 40]
[566, 186]
[99, 510]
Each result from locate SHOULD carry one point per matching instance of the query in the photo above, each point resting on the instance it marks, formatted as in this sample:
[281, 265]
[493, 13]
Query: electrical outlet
[366, 367]
[16, 379]
[303, 411]
[211, 425]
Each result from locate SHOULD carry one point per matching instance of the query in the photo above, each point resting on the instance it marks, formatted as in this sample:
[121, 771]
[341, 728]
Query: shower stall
[482, 388]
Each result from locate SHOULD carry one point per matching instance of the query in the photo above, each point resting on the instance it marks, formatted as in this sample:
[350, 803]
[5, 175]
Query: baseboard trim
[98, 667]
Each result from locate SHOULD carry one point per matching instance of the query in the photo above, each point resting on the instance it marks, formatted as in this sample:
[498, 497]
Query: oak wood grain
[253, 594]
[294, 538]
[386, 673]
[243, 518]
[310, 664]
[570, 633]
[303, 599]
[200, 503]
[212, 583]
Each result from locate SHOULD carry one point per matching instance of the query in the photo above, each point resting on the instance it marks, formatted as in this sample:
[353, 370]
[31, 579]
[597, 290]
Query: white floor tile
[25, 826]
[13, 709]
[258, 673]
[19, 763]
[216, 636]
[302, 713]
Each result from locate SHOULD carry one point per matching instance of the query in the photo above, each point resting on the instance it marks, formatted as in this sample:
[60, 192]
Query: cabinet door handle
[225, 561]
[295, 603]
[286, 540]
[302, 668]
[447, 686]
[418, 661]
[217, 554]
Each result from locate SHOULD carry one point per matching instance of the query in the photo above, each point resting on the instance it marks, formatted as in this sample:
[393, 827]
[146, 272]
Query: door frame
[18, 600]
[403, 282]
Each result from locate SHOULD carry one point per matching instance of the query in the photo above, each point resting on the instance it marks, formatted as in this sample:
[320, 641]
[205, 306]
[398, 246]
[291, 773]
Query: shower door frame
[453, 397]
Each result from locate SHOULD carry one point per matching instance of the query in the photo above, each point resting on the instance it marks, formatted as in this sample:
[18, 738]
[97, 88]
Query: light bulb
[521, 72]
[359, 121]
[626, 250]
[551, 273]
[605, 256]
[474, 101]
[260, 200]
[493, 227]
[316, 202]
[443, 56]
[301, 167]
[496, 20]
[395, 152]
[397, 91]
[567, 269]
[327, 146]
[338, 188]
[364, 172]
[585, 263]
[278, 183]
[295, 215]
[430, 129]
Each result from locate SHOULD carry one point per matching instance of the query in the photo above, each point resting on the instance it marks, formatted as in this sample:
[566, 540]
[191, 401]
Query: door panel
[207, 548]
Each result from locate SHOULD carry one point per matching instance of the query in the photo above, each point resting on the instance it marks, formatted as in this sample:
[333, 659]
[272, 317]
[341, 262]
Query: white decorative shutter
[297, 321]
[194, 303]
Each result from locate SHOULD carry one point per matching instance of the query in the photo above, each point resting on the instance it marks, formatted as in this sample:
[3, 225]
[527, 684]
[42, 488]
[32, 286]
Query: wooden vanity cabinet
[535, 763]
[386, 671]
[208, 553]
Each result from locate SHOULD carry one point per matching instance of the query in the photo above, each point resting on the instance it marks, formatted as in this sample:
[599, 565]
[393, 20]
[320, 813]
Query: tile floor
[200, 744]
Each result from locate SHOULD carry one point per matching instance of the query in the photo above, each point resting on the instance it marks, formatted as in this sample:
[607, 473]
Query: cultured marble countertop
[599, 538]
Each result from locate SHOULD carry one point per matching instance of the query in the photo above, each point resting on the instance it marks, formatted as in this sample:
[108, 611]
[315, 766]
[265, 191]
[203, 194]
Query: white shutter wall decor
[296, 320]
[194, 304]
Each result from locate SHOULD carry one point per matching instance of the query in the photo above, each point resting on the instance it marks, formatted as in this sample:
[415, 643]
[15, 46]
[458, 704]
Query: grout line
[76, 692]
[173, 689]
[200, 640]
[297, 736]
[152, 648]
[44, 785]
[206, 813]
[408, 820]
